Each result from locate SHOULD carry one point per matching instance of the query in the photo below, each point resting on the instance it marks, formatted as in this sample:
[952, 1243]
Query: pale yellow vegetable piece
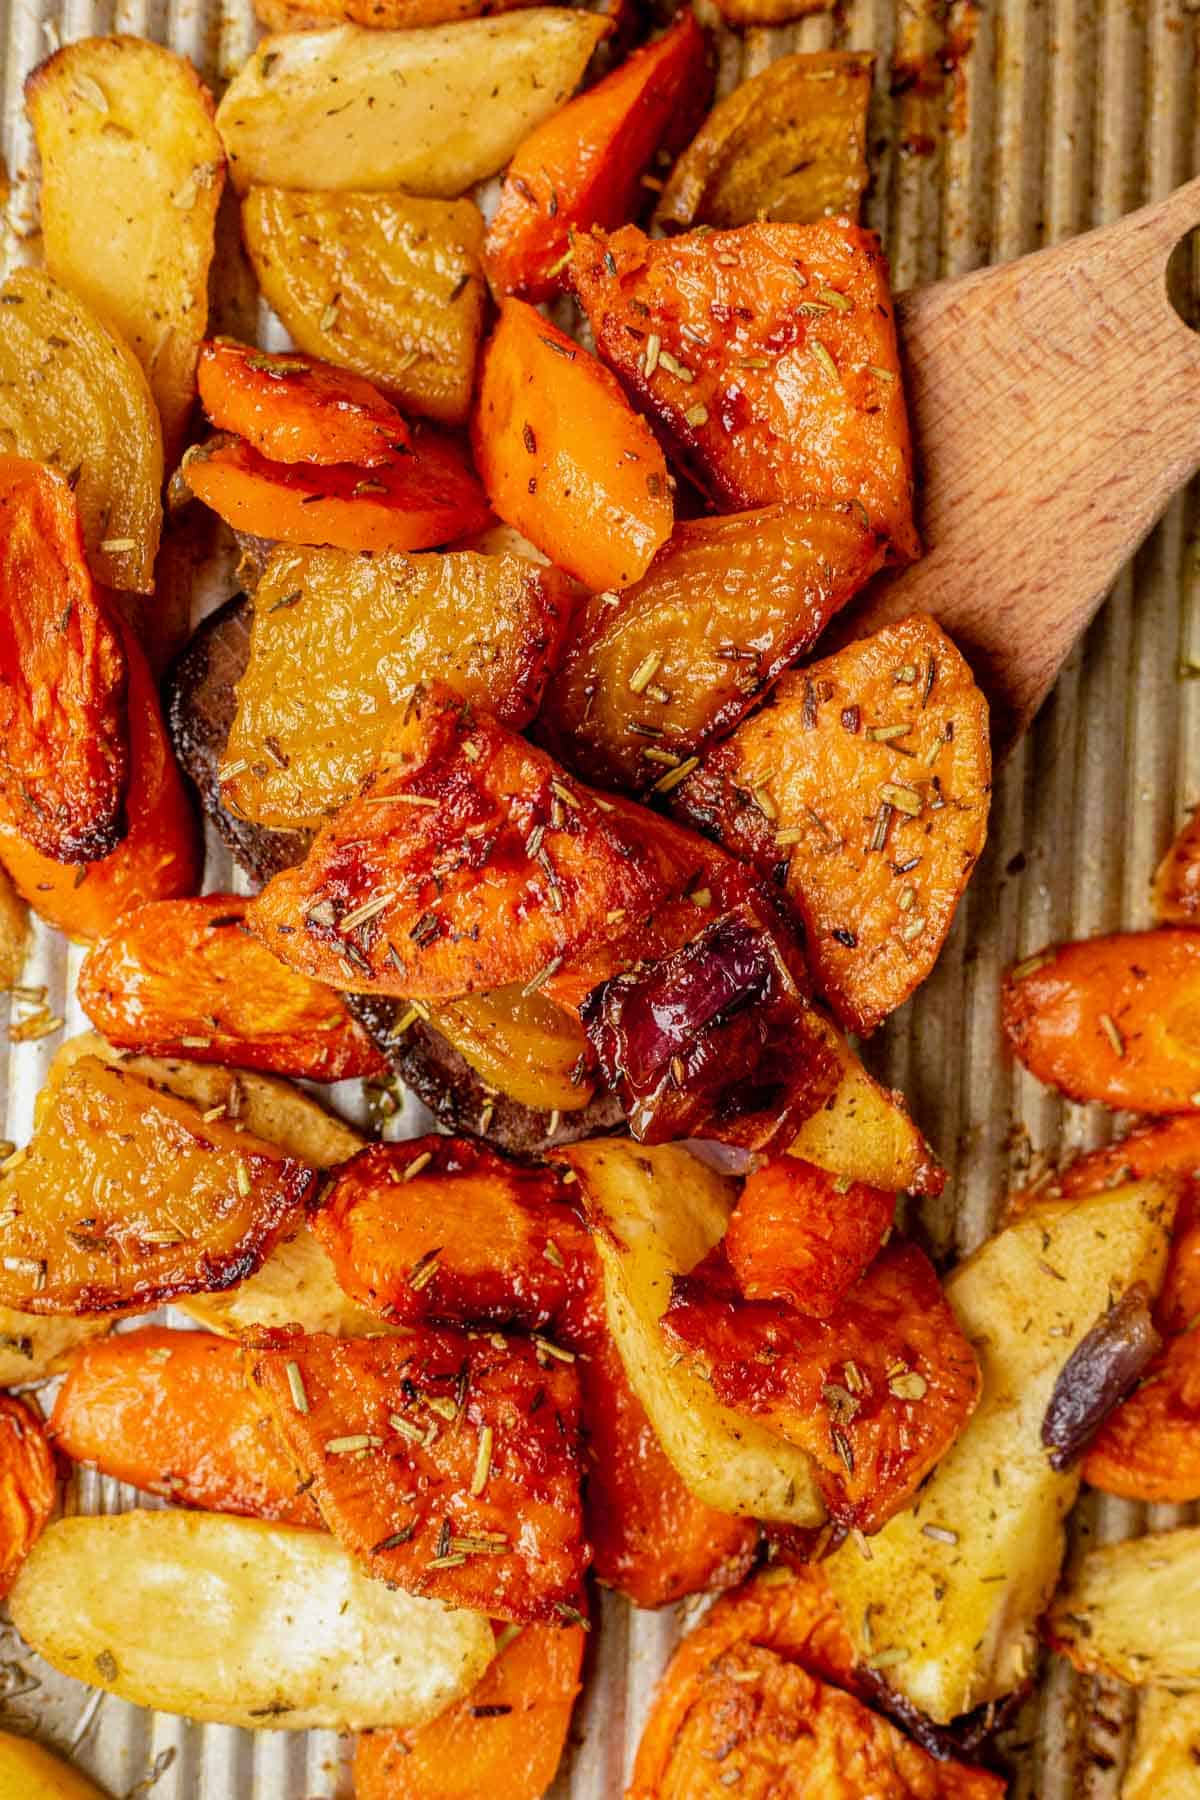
[35, 1345]
[433, 110]
[132, 172]
[14, 914]
[27, 1772]
[1132, 1610]
[949, 1601]
[237, 1622]
[864, 1131]
[655, 1211]
[520, 1043]
[1164, 1763]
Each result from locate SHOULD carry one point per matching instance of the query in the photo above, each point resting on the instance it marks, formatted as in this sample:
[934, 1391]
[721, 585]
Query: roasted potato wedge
[959, 1582]
[788, 145]
[27, 1772]
[130, 124]
[432, 111]
[864, 1131]
[1165, 1757]
[1129, 1610]
[296, 1285]
[72, 394]
[1177, 878]
[655, 1212]
[409, 283]
[28, 1485]
[112, 1601]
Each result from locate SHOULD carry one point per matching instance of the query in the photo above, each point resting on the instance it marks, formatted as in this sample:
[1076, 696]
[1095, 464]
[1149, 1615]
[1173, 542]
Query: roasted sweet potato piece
[295, 409]
[161, 855]
[64, 750]
[801, 1235]
[583, 166]
[427, 496]
[788, 145]
[768, 357]
[564, 458]
[1177, 878]
[170, 1412]
[127, 1196]
[27, 1485]
[462, 867]
[186, 978]
[651, 676]
[863, 788]
[504, 1740]
[339, 642]
[875, 1393]
[448, 1464]
[1112, 1019]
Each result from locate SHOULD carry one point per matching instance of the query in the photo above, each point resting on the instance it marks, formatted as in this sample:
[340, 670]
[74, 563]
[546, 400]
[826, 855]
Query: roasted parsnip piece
[31, 1348]
[1129, 1610]
[1166, 1747]
[1177, 878]
[295, 409]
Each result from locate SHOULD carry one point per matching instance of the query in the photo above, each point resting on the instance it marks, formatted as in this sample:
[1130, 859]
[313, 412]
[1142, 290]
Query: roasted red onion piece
[1103, 1367]
[713, 1041]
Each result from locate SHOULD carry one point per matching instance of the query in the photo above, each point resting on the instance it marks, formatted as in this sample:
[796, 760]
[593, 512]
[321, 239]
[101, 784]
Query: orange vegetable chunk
[563, 456]
[767, 355]
[800, 1235]
[1177, 878]
[295, 409]
[28, 1485]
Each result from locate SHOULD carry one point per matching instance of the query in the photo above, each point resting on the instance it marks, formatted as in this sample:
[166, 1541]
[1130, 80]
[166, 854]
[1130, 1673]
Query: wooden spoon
[1055, 404]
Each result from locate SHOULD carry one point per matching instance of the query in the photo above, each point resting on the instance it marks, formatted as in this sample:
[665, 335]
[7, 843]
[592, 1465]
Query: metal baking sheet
[996, 128]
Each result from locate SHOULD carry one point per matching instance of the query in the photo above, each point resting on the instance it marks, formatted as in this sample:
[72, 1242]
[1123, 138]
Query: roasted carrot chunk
[1112, 1019]
[448, 1464]
[186, 978]
[1177, 878]
[563, 456]
[127, 1196]
[468, 861]
[27, 1485]
[723, 608]
[64, 749]
[427, 496]
[171, 1412]
[768, 357]
[875, 1393]
[584, 165]
[295, 409]
[863, 788]
[503, 1741]
[800, 1235]
[159, 858]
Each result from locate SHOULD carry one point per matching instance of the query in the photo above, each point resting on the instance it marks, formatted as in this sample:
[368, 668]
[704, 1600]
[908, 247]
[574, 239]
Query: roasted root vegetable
[186, 978]
[112, 1601]
[651, 676]
[296, 1285]
[386, 15]
[1177, 878]
[564, 458]
[432, 111]
[424, 497]
[1128, 1610]
[468, 1490]
[28, 1772]
[583, 166]
[959, 1581]
[130, 124]
[72, 394]
[14, 933]
[789, 145]
[505, 1739]
[127, 1196]
[33, 1348]
[521, 1045]
[293, 408]
[767, 388]
[862, 788]
[864, 1131]
[1166, 1747]
[340, 641]
[408, 278]
[803, 1236]
[1112, 1019]
[28, 1488]
[170, 1412]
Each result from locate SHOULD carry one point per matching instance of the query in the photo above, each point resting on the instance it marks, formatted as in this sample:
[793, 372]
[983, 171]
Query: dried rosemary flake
[890, 1658]
[820, 354]
[905, 675]
[244, 1184]
[346, 1446]
[39, 1025]
[793, 834]
[544, 1345]
[701, 897]
[553, 1254]
[904, 799]
[652, 352]
[1031, 965]
[907, 899]
[885, 734]
[31, 1267]
[425, 1267]
[448, 1561]
[912, 929]
[412, 1433]
[92, 94]
[1109, 1027]
[941, 1534]
[296, 1383]
[115, 546]
[645, 672]
[329, 317]
[667, 757]
[880, 374]
[403, 1024]
[486, 1117]
[483, 1461]
[417, 1164]
[765, 804]
[672, 779]
[394, 1541]
[674, 367]
[196, 1043]
[840, 302]
[564, 794]
[907, 1384]
[543, 975]
[696, 415]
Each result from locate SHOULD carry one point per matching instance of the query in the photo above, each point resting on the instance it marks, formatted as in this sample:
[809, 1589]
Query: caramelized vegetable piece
[170, 1412]
[469, 1491]
[161, 855]
[875, 1393]
[463, 834]
[185, 977]
[1148, 1448]
[864, 1131]
[1177, 878]
[788, 145]
[297, 410]
[27, 1485]
[126, 1197]
[64, 755]
[1128, 1610]
[866, 781]
[339, 642]
[504, 1740]
[767, 388]
[583, 166]
[724, 607]
[28, 1772]
[563, 457]
[768, 12]
[14, 933]
[425, 497]
[408, 278]
[386, 15]
[1104, 1365]
[522, 1045]
[800, 1235]
[1165, 1753]
[1112, 1019]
